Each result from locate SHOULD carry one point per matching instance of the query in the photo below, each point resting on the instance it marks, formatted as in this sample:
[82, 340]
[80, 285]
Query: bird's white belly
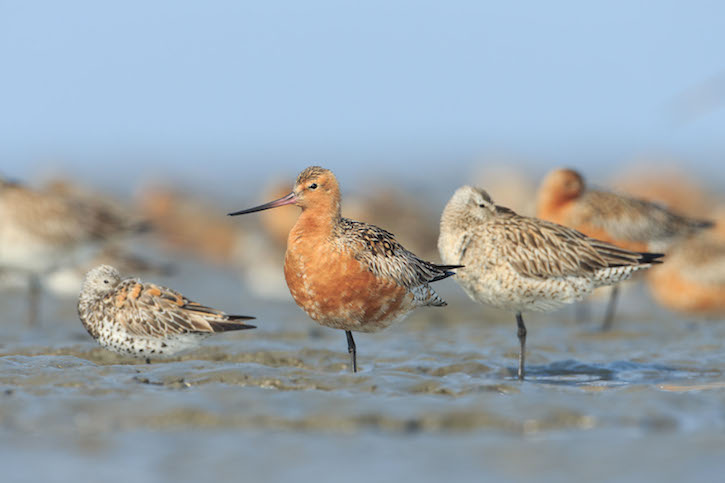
[117, 339]
[510, 291]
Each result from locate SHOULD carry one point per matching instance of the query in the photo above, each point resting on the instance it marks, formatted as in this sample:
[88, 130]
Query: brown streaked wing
[636, 220]
[385, 257]
[540, 249]
[159, 311]
[43, 215]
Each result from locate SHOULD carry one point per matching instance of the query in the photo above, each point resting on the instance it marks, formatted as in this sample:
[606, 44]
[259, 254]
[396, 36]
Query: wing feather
[541, 249]
[154, 311]
[385, 257]
[637, 220]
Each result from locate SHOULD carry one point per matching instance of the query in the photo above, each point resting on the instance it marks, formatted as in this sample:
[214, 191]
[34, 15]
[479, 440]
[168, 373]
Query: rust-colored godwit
[144, 320]
[524, 264]
[628, 223]
[346, 274]
[693, 279]
[39, 230]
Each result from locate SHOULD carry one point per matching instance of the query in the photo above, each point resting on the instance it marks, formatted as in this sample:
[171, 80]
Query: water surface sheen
[436, 397]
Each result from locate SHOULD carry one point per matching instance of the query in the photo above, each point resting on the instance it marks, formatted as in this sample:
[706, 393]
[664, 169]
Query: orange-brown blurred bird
[628, 223]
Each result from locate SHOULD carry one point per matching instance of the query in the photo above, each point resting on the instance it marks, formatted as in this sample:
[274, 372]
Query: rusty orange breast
[338, 291]
[555, 210]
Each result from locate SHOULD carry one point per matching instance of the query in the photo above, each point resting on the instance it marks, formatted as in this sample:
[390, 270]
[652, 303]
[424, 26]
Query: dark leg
[352, 350]
[34, 288]
[609, 316]
[522, 340]
[148, 361]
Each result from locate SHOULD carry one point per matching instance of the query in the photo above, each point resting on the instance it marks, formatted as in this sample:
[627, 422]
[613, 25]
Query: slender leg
[34, 288]
[148, 361]
[352, 350]
[522, 340]
[609, 316]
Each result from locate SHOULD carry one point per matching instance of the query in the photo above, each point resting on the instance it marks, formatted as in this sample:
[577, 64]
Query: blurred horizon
[231, 94]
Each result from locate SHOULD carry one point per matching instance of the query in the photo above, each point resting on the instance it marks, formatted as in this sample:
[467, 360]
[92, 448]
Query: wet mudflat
[436, 397]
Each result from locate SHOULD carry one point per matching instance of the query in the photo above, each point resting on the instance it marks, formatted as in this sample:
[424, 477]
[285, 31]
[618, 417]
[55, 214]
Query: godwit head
[316, 190]
[559, 187]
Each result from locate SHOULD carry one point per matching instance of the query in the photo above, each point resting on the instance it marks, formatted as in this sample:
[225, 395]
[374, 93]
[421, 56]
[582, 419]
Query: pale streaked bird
[522, 264]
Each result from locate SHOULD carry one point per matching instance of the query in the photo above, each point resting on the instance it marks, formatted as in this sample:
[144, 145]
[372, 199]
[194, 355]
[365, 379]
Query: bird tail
[651, 258]
[701, 224]
[227, 326]
[446, 269]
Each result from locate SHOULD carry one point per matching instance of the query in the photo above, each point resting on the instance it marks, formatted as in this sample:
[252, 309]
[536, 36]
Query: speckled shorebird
[346, 274]
[524, 264]
[628, 223]
[144, 320]
[40, 230]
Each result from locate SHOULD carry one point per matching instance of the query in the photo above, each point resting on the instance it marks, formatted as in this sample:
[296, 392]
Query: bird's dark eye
[106, 281]
[482, 205]
[313, 186]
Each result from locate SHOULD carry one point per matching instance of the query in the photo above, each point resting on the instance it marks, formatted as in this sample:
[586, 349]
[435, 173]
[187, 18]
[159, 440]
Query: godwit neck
[318, 195]
[558, 188]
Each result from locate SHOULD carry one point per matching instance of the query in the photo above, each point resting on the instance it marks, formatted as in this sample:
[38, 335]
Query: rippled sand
[436, 398]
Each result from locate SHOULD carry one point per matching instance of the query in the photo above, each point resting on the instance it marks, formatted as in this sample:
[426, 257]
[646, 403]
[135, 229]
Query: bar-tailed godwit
[144, 320]
[626, 222]
[524, 264]
[346, 274]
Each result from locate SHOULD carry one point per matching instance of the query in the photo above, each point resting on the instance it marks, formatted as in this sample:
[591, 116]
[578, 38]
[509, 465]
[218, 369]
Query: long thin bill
[285, 200]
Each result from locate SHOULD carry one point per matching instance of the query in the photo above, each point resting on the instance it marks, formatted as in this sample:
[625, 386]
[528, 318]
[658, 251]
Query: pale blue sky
[225, 88]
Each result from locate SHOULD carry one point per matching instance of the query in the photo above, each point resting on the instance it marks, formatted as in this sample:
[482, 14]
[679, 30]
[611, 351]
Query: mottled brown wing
[153, 310]
[385, 257]
[43, 215]
[540, 249]
[637, 220]
[63, 219]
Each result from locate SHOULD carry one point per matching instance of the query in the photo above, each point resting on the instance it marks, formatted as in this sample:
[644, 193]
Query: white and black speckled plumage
[146, 320]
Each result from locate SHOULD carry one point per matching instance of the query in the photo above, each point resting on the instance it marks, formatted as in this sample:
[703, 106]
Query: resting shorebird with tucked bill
[346, 274]
[524, 264]
[144, 320]
[629, 223]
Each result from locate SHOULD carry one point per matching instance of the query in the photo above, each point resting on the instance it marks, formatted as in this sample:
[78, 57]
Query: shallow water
[436, 397]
